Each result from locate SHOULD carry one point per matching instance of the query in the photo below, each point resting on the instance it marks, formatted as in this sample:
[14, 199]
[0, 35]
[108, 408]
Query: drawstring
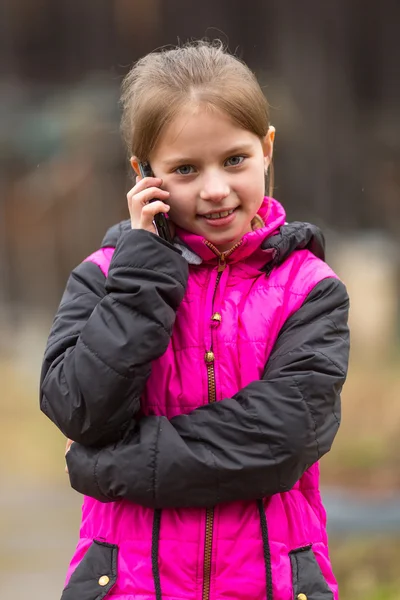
[155, 542]
[267, 550]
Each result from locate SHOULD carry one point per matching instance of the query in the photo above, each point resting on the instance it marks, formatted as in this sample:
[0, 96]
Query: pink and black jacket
[201, 391]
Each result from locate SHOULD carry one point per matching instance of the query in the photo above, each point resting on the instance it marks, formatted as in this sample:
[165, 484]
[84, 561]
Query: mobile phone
[160, 220]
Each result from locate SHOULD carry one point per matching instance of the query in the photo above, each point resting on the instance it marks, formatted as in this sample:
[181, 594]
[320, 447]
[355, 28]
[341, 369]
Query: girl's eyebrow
[187, 160]
[170, 162]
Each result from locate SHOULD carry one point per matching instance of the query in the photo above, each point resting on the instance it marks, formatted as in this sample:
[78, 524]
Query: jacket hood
[297, 235]
[276, 241]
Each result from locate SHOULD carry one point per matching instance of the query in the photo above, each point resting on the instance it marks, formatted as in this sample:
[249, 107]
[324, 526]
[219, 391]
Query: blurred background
[330, 71]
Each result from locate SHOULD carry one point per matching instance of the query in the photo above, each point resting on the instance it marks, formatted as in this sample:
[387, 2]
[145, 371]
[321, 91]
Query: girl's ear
[268, 145]
[135, 164]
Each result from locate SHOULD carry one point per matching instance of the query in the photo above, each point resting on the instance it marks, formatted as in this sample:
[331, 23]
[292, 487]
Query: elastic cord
[155, 542]
[266, 547]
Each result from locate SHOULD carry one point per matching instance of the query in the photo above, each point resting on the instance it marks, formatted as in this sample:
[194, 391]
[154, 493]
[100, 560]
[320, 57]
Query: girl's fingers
[145, 200]
[148, 213]
[142, 198]
[142, 184]
[153, 208]
[143, 219]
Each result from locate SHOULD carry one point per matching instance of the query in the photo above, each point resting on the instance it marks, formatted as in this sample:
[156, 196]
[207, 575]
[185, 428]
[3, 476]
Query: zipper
[222, 256]
[212, 396]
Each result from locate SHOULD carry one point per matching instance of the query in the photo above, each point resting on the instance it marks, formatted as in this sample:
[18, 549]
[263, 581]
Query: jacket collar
[269, 246]
[271, 213]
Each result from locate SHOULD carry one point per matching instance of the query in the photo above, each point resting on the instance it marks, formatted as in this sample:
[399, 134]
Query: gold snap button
[301, 597]
[216, 317]
[104, 580]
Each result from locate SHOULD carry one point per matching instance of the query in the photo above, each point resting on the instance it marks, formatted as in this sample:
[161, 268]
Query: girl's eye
[234, 161]
[184, 170]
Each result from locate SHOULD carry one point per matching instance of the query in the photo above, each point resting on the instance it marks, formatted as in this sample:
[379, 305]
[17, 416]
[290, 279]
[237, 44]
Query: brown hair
[160, 84]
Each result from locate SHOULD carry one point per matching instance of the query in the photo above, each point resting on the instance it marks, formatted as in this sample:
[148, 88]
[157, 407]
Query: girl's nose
[214, 188]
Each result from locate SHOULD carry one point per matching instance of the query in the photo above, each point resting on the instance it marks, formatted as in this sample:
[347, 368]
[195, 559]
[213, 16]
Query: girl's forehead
[201, 117]
[202, 128]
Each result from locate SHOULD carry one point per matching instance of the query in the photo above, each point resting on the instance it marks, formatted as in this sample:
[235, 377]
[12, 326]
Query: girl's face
[215, 173]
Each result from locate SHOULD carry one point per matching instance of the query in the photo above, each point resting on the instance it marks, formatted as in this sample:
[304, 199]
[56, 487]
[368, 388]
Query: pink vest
[243, 318]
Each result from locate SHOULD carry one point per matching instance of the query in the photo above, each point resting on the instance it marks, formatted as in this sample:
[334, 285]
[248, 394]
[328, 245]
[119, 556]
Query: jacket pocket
[95, 575]
[308, 580]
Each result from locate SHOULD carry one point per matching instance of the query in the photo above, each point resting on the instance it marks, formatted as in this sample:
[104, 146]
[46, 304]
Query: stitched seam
[60, 340]
[336, 329]
[45, 404]
[255, 417]
[110, 426]
[114, 558]
[226, 341]
[105, 364]
[144, 270]
[282, 287]
[138, 312]
[308, 405]
[76, 296]
[304, 320]
[154, 465]
[227, 538]
[337, 419]
[297, 572]
[216, 467]
[95, 477]
[272, 360]
[331, 361]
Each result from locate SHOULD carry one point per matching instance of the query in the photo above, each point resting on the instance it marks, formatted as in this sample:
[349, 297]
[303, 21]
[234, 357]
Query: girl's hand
[67, 449]
[141, 209]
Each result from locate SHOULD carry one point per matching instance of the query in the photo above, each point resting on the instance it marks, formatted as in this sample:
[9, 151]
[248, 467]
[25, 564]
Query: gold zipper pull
[216, 320]
[209, 357]
[221, 263]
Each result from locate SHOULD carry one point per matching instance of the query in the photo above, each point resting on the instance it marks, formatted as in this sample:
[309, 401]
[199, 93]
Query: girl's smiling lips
[214, 220]
[214, 213]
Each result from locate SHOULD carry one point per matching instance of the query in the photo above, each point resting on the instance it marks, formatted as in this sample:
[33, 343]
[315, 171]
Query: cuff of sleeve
[82, 469]
[138, 250]
[145, 244]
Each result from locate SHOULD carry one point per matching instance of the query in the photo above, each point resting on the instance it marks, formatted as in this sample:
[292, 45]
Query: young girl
[200, 380]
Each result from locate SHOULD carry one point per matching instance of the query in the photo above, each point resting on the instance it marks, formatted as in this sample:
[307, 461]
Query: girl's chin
[223, 238]
[223, 243]
[227, 237]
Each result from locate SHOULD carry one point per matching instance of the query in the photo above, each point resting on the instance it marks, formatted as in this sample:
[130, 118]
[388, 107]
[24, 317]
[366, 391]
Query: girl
[199, 380]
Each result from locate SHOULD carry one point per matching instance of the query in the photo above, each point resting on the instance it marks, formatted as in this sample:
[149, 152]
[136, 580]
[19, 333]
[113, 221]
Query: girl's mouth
[219, 215]
[216, 219]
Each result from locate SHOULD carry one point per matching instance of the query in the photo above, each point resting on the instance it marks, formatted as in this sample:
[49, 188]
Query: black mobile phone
[160, 220]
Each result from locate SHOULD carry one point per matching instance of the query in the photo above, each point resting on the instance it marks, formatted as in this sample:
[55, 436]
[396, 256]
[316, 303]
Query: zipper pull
[209, 357]
[216, 320]
[221, 263]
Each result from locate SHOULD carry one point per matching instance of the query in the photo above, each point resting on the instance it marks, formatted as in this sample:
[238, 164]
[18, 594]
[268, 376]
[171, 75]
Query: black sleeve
[255, 444]
[105, 335]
